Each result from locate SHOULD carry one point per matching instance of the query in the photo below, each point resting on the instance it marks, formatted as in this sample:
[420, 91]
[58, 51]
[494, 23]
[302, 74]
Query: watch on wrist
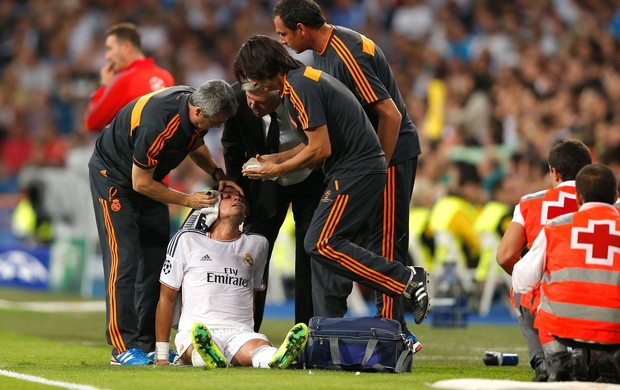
[214, 173]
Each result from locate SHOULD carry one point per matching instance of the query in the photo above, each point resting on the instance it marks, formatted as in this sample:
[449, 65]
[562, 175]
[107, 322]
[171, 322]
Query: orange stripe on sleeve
[159, 142]
[358, 76]
[303, 115]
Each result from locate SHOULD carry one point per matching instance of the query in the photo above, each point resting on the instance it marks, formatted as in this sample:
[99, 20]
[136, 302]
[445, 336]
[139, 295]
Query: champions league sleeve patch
[167, 266]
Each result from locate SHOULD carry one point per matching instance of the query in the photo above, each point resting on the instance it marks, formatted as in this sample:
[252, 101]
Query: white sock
[197, 360]
[262, 356]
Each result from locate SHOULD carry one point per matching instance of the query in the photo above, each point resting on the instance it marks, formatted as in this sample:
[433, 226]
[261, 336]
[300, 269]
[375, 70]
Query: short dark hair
[306, 12]
[597, 183]
[568, 157]
[126, 32]
[262, 58]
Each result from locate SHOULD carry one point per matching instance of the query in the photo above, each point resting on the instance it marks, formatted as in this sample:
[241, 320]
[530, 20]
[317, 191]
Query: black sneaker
[540, 370]
[558, 366]
[579, 364]
[607, 370]
[417, 293]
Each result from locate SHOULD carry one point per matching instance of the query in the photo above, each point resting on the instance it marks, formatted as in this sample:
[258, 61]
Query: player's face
[114, 52]
[291, 38]
[262, 102]
[232, 200]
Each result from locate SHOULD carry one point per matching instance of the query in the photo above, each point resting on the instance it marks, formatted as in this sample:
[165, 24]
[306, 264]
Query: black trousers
[303, 198]
[387, 234]
[134, 231]
[335, 241]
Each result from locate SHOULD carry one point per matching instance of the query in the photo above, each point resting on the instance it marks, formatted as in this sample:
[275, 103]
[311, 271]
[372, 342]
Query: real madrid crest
[248, 260]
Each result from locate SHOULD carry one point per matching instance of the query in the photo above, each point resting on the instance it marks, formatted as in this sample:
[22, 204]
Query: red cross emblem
[566, 203]
[600, 240]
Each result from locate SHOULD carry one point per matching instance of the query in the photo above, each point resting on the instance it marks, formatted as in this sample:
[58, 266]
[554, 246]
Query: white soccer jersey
[217, 278]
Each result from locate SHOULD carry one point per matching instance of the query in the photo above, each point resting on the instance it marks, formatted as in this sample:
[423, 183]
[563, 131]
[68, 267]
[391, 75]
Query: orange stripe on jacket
[115, 334]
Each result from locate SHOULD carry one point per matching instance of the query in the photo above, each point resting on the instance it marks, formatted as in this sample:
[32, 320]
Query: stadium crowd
[491, 85]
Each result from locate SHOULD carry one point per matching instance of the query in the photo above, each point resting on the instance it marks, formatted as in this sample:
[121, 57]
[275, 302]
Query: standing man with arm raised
[261, 126]
[361, 65]
[146, 140]
[128, 75]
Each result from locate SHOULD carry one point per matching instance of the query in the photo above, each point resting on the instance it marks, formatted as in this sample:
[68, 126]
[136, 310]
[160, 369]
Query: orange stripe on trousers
[387, 243]
[115, 334]
[345, 260]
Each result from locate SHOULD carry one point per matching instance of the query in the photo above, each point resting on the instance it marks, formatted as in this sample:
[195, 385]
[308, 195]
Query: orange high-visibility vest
[537, 209]
[580, 289]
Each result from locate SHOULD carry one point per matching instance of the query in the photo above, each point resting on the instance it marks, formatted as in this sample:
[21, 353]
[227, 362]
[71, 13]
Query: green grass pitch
[71, 347]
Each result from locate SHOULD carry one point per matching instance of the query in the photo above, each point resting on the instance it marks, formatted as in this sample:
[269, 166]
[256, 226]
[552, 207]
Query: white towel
[211, 213]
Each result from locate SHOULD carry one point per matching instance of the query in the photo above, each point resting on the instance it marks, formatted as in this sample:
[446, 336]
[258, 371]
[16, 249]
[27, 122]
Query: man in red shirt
[127, 76]
[576, 261]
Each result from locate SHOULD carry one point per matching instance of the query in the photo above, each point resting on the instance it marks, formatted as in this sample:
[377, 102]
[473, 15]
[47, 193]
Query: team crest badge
[116, 205]
[248, 260]
[326, 198]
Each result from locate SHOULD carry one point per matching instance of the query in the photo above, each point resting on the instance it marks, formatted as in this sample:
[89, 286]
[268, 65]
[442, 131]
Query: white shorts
[228, 340]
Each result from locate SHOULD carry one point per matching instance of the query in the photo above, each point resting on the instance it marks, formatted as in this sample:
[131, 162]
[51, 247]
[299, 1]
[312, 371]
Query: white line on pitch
[80, 307]
[37, 379]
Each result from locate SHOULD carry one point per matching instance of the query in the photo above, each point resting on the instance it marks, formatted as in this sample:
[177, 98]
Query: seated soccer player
[218, 268]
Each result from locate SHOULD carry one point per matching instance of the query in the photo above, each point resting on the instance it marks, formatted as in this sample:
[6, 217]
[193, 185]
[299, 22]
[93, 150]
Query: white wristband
[162, 350]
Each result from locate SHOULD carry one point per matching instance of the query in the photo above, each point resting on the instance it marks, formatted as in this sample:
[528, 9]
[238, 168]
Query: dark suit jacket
[243, 138]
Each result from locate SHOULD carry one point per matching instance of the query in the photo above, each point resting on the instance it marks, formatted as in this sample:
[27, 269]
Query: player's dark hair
[261, 58]
[306, 12]
[596, 183]
[126, 32]
[568, 157]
